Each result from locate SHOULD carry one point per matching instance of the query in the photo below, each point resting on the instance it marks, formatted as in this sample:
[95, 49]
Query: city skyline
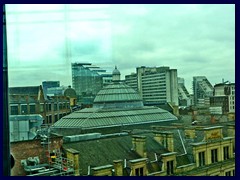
[197, 40]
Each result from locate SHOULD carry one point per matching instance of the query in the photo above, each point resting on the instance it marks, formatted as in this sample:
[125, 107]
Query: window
[55, 118]
[50, 119]
[226, 152]
[201, 157]
[50, 107]
[233, 172]
[214, 155]
[60, 106]
[24, 109]
[32, 108]
[139, 171]
[14, 110]
[41, 107]
[55, 107]
[228, 173]
[169, 167]
[46, 105]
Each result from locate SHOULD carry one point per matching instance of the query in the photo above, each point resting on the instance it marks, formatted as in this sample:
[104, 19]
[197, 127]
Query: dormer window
[139, 171]
[170, 167]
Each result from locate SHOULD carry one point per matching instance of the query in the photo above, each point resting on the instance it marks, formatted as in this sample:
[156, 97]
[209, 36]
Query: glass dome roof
[118, 95]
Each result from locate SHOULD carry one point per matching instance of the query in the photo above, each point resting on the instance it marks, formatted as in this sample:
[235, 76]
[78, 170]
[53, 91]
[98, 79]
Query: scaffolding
[57, 165]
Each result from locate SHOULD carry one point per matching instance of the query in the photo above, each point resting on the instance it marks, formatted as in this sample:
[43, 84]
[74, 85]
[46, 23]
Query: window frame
[214, 155]
[170, 167]
[201, 159]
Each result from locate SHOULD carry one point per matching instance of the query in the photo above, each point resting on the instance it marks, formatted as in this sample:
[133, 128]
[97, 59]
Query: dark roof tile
[30, 90]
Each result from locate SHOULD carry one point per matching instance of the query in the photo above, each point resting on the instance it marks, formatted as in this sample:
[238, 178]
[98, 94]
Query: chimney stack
[165, 139]
[190, 133]
[118, 167]
[139, 145]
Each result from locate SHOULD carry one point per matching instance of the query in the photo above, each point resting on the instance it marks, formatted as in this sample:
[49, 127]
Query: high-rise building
[202, 90]
[223, 97]
[87, 80]
[184, 96]
[156, 85]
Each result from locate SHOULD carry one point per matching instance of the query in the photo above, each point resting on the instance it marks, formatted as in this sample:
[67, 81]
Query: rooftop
[29, 90]
[98, 117]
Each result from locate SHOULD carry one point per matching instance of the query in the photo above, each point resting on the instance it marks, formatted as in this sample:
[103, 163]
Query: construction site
[51, 161]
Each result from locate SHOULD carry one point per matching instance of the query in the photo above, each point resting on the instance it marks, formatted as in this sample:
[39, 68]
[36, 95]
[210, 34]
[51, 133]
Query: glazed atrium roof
[115, 105]
[117, 95]
[99, 117]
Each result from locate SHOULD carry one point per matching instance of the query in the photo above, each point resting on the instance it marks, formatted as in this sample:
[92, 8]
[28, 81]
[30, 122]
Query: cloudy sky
[43, 40]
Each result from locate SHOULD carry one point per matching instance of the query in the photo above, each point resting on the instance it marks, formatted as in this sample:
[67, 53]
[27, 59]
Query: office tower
[156, 85]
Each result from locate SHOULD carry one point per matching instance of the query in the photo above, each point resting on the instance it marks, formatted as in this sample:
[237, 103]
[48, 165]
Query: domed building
[71, 93]
[116, 107]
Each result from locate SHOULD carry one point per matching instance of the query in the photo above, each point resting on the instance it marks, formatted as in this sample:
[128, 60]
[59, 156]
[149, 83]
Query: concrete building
[183, 94]
[202, 91]
[224, 97]
[87, 80]
[156, 85]
[116, 107]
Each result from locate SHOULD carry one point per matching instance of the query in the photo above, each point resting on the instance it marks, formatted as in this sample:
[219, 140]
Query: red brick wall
[23, 149]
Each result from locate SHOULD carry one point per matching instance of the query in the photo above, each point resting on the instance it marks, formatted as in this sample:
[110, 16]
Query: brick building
[30, 100]
[23, 150]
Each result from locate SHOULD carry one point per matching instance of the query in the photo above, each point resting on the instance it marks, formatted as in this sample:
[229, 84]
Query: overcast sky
[43, 40]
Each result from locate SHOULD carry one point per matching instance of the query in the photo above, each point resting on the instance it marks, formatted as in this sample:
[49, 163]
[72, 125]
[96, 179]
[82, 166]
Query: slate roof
[103, 151]
[29, 90]
[100, 152]
[18, 99]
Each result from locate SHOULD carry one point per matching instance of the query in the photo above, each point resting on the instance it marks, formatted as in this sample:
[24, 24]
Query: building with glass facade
[202, 90]
[87, 80]
[49, 84]
[184, 96]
